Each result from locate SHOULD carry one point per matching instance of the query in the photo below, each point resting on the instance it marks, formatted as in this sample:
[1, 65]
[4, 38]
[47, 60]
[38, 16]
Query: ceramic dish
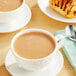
[18, 24]
[13, 69]
[45, 8]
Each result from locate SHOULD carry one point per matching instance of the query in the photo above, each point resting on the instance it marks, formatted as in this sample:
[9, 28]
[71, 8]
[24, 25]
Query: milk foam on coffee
[9, 5]
[34, 45]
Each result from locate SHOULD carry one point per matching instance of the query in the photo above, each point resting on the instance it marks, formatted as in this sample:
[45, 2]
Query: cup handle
[60, 41]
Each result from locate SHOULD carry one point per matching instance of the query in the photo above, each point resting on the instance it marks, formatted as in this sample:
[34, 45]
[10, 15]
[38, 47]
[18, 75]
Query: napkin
[69, 48]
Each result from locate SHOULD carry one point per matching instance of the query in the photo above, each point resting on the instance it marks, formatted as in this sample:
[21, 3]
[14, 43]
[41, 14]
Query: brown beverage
[34, 45]
[9, 5]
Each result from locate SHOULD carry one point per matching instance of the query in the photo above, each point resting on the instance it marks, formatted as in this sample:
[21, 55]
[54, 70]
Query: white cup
[12, 16]
[36, 64]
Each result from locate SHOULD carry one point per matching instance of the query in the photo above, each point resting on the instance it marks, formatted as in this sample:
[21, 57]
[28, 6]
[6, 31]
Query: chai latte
[34, 45]
[9, 5]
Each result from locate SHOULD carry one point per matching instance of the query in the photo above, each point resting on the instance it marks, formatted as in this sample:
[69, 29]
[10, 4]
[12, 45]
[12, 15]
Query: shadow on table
[67, 69]
[3, 71]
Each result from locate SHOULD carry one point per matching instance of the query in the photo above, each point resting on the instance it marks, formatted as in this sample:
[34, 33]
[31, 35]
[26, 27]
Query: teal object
[69, 48]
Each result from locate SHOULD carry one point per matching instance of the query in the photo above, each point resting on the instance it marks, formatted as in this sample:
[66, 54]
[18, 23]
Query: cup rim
[14, 9]
[32, 30]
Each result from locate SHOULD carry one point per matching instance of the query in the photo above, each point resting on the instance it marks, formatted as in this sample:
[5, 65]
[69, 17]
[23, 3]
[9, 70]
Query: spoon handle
[75, 34]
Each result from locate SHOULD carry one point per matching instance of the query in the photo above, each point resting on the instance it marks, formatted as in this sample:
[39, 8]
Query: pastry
[66, 8]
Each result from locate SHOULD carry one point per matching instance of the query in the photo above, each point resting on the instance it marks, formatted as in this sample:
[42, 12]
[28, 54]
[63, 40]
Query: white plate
[45, 7]
[53, 69]
[18, 24]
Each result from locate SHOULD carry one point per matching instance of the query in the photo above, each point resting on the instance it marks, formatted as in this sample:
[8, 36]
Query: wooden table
[38, 20]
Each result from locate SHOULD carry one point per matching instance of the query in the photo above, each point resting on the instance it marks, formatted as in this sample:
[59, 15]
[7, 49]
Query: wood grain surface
[38, 20]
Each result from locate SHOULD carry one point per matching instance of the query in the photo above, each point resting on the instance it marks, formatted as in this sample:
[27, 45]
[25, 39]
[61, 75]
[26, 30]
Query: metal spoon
[71, 32]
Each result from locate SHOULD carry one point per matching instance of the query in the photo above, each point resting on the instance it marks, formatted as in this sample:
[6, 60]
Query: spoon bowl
[71, 32]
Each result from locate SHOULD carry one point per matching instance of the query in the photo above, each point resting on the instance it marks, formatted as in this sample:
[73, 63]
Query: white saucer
[45, 7]
[52, 70]
[6, 28]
